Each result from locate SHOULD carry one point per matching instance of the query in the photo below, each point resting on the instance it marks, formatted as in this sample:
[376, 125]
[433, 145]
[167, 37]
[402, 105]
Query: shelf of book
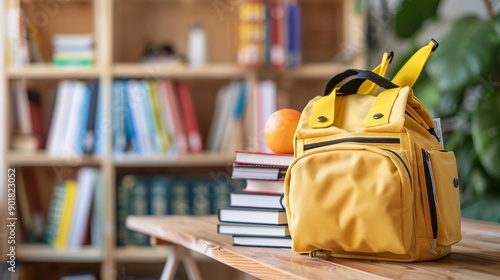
[149, 254]
[49, 71]
[43, 159]
[46, 253]
[199, 159]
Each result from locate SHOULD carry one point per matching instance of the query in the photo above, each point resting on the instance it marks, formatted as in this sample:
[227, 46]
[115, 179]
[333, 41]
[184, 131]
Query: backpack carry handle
[380, 70]
[352, 86]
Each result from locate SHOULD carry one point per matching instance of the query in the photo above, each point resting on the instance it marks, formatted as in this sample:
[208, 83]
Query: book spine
[189, 115]
[89, 138]
[65, 223]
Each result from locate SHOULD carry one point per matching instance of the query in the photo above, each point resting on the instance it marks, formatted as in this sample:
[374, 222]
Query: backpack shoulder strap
[409, 73]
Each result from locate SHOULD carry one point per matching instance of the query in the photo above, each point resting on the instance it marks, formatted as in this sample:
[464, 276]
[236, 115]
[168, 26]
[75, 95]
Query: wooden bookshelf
[121, 30]
[44, 253]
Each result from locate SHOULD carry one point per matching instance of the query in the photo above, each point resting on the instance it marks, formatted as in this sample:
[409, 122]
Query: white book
[232, 138]
[225, 100]
[74, 115]
[266, 105]
[86, 180]
[23, 116]
[58, 124]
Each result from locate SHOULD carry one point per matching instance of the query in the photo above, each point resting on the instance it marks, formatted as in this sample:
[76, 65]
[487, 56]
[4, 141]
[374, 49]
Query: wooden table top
[477, 256]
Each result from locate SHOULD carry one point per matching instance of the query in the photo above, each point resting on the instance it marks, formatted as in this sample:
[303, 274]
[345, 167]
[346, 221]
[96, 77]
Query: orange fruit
[279, 130]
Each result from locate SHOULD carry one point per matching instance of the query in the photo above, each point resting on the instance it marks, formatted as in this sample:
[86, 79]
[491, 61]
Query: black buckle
[436, 44]
[390, 55]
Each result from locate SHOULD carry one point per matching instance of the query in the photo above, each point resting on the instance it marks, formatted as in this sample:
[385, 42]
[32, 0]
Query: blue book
[148, 110]
[294, 37]
[138, 205]
[201, 201]
[180, 197]
[159, 187]
[100, 135]
[124, 186]
[89, 141]
[129, 122]
[118, 117]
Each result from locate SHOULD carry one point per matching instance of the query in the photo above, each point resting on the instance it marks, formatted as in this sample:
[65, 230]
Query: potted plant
[462, 86]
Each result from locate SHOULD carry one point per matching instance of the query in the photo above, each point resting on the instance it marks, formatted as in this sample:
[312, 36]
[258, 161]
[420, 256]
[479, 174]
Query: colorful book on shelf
[263, 158]
[294, 41]
[98, 222]
[259, 171]
[256, 200]
[89, 138]
[252, 215]
[233, 130]
[35, 205]
[161, 139]
[73, 50]
[158, 195]
[265, 100]
[64, 126]
[135, 99]
[278, 33]
[55, 213]
[37, 118]
[201, 192]
[118, 118]
[138, 205]
[86, 180]
[188, 112]
[66, 219]
[170, 103]
[252, 33]
[225, 103]
[253, 229]
[262, 241]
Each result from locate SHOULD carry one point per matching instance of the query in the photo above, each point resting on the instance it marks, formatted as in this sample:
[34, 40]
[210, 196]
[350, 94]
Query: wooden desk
[477, 256]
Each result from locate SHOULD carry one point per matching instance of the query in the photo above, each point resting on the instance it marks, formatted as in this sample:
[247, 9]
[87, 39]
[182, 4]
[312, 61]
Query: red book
[189, 115]
[277, 15]
[36, 119]
[173, 118]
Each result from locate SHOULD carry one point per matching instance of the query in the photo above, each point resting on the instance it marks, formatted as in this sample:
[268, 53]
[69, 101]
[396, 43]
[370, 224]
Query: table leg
[176, 254]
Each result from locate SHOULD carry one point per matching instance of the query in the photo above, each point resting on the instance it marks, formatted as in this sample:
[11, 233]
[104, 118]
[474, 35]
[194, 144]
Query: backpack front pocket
[361, 203]
[442, 185]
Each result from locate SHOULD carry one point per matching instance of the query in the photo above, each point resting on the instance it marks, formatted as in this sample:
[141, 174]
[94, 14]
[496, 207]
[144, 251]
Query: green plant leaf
[411, 15]
[468, 51]
[486, 133]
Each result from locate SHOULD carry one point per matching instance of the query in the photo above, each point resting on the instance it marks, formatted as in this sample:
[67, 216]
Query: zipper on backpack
[431, 196]
[369, 140]
[374, 140]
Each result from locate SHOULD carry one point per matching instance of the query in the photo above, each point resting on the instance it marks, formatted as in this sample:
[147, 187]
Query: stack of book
[73, 49]
[256, 216]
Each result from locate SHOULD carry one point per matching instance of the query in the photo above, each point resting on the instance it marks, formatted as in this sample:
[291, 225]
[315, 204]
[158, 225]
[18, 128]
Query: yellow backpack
[370, 178]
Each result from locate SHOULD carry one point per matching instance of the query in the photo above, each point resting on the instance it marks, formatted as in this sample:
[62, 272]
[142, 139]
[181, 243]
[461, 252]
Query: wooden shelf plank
[177, 70]
[47, 71]
[43, 159]
[159, 254]
[201, 159]
[45, 253]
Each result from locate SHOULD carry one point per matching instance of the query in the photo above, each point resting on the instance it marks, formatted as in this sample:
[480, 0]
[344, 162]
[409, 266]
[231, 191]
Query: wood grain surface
[477, 256]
